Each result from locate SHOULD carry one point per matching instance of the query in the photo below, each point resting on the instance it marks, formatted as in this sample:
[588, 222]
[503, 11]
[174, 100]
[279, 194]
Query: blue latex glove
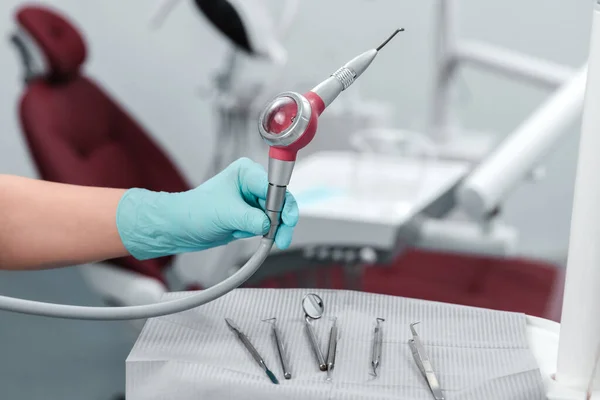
[229, 206]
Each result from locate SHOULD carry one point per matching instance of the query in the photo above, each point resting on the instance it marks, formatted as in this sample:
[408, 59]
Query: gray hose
[143, 311]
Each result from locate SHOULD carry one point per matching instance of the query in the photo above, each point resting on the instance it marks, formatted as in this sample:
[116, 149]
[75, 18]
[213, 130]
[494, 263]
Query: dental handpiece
[289, 122]
[377, 346]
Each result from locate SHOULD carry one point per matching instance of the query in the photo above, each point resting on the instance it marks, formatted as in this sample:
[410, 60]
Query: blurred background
[162, 77]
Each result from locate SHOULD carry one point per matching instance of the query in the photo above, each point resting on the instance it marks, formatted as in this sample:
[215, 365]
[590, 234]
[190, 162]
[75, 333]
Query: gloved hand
[229, 206]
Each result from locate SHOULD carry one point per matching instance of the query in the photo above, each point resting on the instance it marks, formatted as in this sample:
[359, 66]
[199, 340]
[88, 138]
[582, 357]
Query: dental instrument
[377, 346]
[287, 374]
[424, 364]
[333, 338]
[288, 123]
[313, 308]
[257, 357]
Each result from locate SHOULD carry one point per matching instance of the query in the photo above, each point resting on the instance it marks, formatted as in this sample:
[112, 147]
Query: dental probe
[332, 349]
[250, 347]
[285, 365]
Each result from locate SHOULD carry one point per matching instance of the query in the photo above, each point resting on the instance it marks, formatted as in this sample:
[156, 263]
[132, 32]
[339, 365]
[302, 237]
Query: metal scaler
[285, 365]
[424, 364]
[377, 346]
[246, 342]
[332, 349]
[289, 122]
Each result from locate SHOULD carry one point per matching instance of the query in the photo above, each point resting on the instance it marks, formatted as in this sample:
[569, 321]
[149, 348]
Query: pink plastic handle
[289, 153]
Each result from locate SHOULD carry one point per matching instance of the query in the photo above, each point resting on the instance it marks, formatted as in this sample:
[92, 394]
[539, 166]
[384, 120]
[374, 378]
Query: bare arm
[45, 225]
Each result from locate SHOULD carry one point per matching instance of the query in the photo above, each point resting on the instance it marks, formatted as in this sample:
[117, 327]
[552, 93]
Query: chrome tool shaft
[331, 350]
[287, 374]
[315, 344]
[424, 364]
[343, 77]
[257, 357]
[377, 346]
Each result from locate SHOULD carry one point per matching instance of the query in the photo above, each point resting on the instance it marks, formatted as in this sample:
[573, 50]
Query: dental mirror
[313, 306]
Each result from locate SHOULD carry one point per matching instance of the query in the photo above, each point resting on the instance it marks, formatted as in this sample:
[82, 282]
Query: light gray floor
[44, 358]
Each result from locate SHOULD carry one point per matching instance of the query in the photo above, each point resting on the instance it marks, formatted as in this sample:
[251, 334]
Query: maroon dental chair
[77, 134]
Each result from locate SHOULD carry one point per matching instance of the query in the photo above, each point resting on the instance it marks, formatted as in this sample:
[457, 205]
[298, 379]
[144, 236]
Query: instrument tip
[272, 376]
[232, 325]
[381, 46]
[412, 328]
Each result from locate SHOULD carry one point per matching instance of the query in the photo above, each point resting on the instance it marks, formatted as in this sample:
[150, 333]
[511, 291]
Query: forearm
[44, 224]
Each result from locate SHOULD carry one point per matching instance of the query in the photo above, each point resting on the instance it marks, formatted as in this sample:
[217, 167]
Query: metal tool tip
[287, 375]
[412, 328]
[232, 325]
[381, 46]
[272, 376]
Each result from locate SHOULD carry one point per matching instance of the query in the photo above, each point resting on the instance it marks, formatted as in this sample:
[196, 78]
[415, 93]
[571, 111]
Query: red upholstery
[63, 46]
[502, 284]
[509, 285]
[78, 135]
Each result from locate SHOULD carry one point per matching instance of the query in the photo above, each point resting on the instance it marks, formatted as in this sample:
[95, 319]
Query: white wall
[157, 75]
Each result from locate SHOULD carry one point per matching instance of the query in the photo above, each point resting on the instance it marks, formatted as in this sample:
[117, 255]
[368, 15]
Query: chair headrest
[60, 42]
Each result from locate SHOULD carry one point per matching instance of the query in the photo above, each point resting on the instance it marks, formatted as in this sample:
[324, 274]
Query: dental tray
[476, 353]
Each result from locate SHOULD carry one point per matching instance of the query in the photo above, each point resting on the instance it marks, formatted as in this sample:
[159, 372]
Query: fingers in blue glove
[289, 218]
[254, 222]
[290, 212]
[252, 180]
[242, 235]
[253, 184]
[283, 238]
